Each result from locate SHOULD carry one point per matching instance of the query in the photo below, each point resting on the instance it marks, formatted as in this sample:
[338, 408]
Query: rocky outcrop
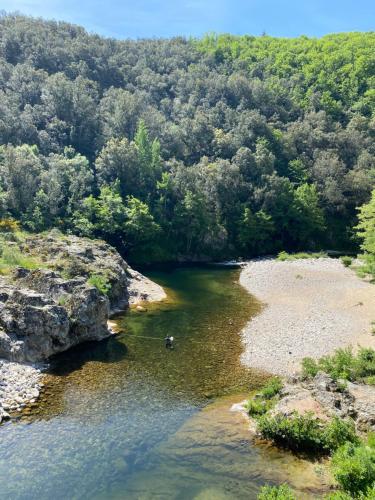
[327, 398]
[80, 258]
[141, 288]
[52, 308]
[42, 314]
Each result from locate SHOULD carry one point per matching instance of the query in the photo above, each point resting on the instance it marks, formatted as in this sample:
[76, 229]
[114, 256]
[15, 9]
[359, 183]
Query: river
[128, 418]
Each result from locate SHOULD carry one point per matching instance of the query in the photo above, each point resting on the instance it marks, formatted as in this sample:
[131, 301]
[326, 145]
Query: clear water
[127, 418]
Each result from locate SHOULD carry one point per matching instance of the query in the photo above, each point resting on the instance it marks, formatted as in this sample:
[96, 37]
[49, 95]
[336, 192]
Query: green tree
[366, 232]
[310, 217]
[255, 232]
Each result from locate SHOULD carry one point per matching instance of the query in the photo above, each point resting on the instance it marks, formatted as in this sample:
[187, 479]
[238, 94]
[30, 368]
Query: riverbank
[312, 307]
[20, 385]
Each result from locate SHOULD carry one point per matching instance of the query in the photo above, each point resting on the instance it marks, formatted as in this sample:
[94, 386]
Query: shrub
[341, 495]
[272, 388]
[256, 407]
[306, 433]
[346, 260]
[364, 364]
[282, 492]
[282, 256]
[354, 468]
[9, 226]
[339, 365]
[265, 399]
[298, 432]
[100, 282]
[338, 432]
[343, 364]
[309, 368]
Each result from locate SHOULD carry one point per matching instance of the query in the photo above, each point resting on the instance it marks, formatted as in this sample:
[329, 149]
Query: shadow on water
[109, 350]
[127, 418]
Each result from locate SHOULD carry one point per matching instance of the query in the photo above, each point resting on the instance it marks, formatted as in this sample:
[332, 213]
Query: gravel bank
[19, 385]
[312, 307]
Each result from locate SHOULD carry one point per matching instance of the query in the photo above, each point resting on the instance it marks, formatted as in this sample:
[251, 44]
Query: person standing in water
[168, 342]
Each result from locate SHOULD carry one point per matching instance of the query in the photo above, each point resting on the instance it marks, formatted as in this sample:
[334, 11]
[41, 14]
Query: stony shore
[311, 308]
[20, 385]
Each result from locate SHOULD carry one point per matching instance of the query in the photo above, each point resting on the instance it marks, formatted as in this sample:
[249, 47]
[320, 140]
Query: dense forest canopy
[210, 148]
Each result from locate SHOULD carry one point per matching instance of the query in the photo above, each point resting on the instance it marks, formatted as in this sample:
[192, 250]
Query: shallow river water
[127, 418]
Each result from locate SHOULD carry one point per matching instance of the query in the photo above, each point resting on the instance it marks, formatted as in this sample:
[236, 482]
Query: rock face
[43, 314]
[49, 310]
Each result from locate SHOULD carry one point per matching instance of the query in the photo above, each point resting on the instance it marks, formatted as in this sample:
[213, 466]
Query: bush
[265, 399]
[309, 368]
[306, 433]
[341, 495]
[364, 365]
[369, 380]
[339, 365]
[338, 432]
[256, 407]
[343, 364]
[282, 256]
[272, 388]
[9, 226]
[282, 492]
[100, 282]
[354, 468]
[346, 260]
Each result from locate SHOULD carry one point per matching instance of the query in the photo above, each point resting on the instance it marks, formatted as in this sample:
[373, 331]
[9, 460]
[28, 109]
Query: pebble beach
[310, 308]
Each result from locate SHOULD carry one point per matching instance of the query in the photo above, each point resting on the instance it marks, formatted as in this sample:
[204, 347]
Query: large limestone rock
[80, 258]
[33, 326]
[49, 310]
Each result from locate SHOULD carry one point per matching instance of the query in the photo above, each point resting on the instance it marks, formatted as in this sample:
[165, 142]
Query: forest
[187, 149]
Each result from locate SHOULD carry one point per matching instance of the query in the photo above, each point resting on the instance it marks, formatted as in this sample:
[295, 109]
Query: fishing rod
[153, 338]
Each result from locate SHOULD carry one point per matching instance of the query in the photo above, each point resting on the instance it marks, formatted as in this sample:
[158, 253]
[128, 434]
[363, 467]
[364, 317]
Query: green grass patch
[100, 282]
[283, 256]
[11, 257]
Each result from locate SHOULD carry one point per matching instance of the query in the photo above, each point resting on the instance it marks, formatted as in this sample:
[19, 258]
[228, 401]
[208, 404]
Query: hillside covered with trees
[220, 147]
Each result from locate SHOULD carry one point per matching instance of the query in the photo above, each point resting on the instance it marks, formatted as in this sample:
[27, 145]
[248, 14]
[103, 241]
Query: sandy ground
[312, 307]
